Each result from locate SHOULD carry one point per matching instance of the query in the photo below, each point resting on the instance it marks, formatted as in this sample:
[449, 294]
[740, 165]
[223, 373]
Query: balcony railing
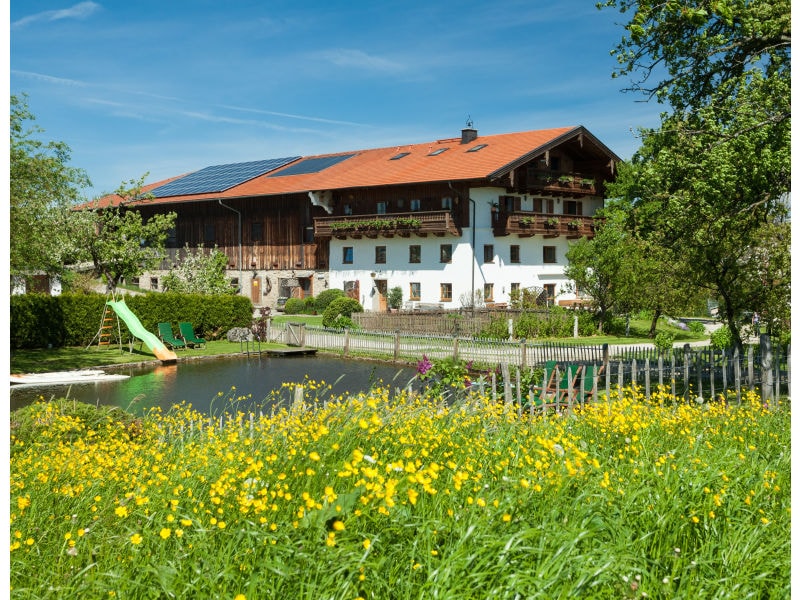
[421, 224]
[570, 184]
[528, 224]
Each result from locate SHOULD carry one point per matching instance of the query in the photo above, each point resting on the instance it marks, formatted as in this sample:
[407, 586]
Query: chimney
[468, 134]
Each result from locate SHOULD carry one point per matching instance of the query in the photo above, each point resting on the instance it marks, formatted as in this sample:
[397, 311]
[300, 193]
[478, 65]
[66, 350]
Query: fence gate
[296, 334]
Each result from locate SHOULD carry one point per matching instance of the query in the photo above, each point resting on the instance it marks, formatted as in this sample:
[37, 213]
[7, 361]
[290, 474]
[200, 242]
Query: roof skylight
[399, 156]
[438, 151]
[478, 147]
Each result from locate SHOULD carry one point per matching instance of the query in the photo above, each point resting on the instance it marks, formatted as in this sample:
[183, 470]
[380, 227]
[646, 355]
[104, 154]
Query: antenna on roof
[469, 121]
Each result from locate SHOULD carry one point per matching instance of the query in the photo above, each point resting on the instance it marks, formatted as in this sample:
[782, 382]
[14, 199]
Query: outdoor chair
[166, 335]
[562, 387]
[188, 335]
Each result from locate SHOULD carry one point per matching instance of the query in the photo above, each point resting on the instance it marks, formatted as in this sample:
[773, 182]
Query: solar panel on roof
[219, 178]
[312, 165]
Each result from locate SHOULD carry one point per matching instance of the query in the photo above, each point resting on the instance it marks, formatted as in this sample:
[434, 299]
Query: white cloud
[81, 10]
[343, 57]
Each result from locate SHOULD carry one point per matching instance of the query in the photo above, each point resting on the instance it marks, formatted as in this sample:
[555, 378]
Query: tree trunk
[653, 323]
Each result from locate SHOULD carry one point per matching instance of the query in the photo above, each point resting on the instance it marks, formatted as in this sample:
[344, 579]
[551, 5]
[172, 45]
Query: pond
[210, 384]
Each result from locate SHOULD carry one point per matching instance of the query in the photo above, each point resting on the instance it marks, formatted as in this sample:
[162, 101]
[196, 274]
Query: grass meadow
[380, 496]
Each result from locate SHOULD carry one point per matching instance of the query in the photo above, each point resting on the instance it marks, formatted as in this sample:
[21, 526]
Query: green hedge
[39, 321]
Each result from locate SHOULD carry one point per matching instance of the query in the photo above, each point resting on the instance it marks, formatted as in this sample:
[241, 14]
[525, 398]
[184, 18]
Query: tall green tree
[708, 187]
[118, 241]
[43, 190]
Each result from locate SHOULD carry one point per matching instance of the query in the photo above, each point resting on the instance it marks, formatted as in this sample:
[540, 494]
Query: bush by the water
[339, 310]
[375, 496]
[73, 319]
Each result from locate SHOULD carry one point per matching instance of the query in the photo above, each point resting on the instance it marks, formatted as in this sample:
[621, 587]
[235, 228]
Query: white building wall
[464, 266]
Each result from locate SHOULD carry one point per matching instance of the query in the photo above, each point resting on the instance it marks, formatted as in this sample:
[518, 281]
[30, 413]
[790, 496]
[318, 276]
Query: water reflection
[203, 382]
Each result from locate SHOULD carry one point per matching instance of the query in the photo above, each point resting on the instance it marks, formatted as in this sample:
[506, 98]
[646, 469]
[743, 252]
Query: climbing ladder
[106, 331]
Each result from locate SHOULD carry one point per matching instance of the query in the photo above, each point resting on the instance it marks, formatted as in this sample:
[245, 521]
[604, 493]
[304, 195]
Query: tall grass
[372, 497]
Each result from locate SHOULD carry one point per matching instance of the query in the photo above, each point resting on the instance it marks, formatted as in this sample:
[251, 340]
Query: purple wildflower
[424, 365]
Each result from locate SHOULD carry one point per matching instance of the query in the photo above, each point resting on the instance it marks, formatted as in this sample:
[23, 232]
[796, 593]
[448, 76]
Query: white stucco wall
[430, 272]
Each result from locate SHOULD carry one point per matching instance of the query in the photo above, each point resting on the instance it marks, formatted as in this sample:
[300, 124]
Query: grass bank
[409, 498]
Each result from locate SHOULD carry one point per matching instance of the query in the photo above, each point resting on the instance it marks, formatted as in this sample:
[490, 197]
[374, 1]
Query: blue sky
[171, 86]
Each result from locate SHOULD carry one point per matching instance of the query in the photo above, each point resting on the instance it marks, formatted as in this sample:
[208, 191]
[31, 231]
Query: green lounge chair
[187, 333]
[165, 333]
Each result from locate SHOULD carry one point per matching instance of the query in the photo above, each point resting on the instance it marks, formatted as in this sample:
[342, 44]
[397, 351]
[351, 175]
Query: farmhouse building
[438, 219]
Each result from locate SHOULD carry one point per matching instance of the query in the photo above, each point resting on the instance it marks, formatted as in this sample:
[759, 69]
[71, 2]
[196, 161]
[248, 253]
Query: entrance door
[255, 291]
[381, 287]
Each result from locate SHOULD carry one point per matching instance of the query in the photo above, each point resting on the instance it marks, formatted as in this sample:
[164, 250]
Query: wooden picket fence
[686, 371]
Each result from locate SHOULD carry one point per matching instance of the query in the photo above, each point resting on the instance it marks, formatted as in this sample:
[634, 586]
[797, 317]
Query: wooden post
[711, 374]
[519, 388]
[634, 376]
[686, 357]
[767, 359]
[524, 353]
[506, 374]
[455, 347]
[346, 348]
[647, 378]
[751, 380]
[494, 386]
[396, 345]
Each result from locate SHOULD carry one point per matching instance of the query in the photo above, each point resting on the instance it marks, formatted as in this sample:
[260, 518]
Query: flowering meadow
[384, 496]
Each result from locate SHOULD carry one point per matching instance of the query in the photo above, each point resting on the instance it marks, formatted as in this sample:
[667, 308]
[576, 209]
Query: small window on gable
[399, 156]
[478, 147]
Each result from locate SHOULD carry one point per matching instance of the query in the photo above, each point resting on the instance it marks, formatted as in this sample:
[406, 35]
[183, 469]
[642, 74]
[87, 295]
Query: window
[415, 204]
[549, 254]
[347, 255]
[515, 288]
[399, 156]
[446, 292]
[172, 238]
[476, 148]
[209, 233]
[235, 283]
[438, 151]
[415, 253]
[414, 291]
[447, 203]
[488, 292]
[543, 205]
[573, 207]
[256, 231]
[380, 255]
[154, 283]
[446, 253]
[488, 253]
[380, 208]
[348, 209]
[135, 281]
[514, 257]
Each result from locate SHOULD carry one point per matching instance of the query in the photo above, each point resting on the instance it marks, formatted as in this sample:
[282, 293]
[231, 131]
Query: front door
[255, 291]
[381, 287]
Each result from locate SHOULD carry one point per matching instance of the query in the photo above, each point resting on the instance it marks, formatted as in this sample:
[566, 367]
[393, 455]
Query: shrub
[324, 298]
[294, 306]
[664, 341]
[395, 297]
[696, 327]
[722, 338]
[340, 307]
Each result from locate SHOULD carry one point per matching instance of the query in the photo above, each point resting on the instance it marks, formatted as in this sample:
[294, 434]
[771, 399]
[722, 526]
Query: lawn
[368, 497]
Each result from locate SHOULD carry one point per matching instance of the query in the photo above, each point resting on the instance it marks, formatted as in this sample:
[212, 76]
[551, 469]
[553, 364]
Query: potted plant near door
[395, 298]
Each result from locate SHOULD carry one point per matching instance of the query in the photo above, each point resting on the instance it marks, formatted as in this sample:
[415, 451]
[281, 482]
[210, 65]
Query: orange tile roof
[374, 168]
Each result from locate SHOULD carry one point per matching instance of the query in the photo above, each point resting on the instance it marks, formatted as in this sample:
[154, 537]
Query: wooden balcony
[561, 184]
[422, 224]
[528, 224]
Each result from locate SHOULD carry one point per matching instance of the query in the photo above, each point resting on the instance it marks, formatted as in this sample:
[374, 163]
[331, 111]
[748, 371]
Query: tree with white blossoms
[43, 191]
[199, 271]
[118, 241]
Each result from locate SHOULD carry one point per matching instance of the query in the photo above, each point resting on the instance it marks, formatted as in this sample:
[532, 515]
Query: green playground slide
[155, 345]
